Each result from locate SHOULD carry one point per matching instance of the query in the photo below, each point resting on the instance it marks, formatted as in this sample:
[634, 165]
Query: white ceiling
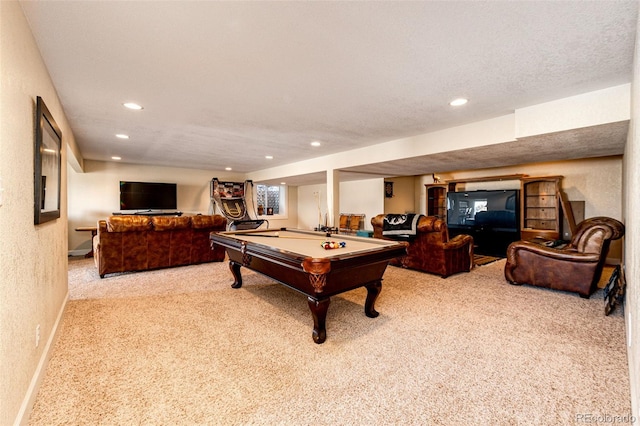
[224, 84]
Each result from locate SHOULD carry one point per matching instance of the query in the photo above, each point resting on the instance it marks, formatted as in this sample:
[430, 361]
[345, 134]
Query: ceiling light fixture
[269, 157]
[458, 102]
[315, 143]
[228, 169]
[122, 136]
[132, 105]
[116, 158]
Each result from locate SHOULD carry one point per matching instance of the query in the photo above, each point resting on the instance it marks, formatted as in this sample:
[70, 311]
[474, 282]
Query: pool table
[297, 259]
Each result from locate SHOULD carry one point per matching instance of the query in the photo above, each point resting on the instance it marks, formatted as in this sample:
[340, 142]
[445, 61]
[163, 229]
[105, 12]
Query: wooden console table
[94, 232]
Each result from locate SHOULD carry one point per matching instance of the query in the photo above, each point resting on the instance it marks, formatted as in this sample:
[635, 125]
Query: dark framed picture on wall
[46, 167]
[613, 291]
[388, 189]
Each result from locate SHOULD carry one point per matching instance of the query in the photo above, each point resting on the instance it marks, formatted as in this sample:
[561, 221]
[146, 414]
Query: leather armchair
[431, 250]
[576, 267]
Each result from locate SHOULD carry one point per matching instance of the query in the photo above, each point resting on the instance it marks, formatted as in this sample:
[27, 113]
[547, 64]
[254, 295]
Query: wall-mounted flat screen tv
[148, 196]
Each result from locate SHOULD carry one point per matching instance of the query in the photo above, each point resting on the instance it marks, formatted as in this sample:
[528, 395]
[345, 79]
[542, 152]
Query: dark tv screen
[148, 196]
[495, 209]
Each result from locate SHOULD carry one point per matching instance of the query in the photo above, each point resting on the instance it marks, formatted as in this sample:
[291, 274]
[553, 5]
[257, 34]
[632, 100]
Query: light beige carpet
[181, 347]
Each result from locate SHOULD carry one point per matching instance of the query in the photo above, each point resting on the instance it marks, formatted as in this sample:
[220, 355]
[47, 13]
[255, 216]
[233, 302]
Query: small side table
[94, 232]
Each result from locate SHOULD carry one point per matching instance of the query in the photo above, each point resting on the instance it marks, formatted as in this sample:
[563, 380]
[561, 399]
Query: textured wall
[33, 259]
[309, 198]
[597, 181]
[361, 196]
[404, 197]
[632, 222]
[95, 193]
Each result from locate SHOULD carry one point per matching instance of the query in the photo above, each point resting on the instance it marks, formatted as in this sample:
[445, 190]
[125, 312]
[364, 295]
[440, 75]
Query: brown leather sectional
[137, 243]
[431, 250]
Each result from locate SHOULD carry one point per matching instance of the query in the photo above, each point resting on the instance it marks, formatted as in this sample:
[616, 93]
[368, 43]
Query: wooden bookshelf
[540, 213]
[437, 200]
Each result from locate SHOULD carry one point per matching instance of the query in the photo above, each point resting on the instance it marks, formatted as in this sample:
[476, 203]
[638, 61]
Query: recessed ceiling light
[122, 136]
[116, 158]
[132, 105]
[283, 183]
[227, 168]
[269, 157]
[458, 102]
[315, 143]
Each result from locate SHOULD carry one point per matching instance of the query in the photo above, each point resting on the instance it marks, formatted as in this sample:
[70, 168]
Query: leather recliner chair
[431, 250]
[575, 268]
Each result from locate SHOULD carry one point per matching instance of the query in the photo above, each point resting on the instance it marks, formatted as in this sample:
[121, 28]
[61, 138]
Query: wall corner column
[333, 196]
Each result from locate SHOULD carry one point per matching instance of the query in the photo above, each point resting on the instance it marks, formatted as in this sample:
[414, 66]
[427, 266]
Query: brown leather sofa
[576, 267]
[431, 250]
[136, 243]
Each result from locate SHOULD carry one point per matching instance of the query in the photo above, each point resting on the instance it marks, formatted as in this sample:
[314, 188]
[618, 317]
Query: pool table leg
[319, 312]
[373, 290]
[235, 270]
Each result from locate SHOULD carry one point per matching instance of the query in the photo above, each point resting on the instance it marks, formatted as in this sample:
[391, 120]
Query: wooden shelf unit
[437, 200]
[540, 211]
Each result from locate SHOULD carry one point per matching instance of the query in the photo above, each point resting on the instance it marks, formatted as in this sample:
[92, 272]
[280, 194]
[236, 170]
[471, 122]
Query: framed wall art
[47, 164]
[388, 189]
[614, 291]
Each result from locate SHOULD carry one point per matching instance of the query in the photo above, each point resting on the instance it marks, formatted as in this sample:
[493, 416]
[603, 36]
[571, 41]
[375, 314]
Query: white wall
[362, 196]
[404, 196]
[631, 207]
[312, 206]
[612, 104]
[33, 258]
[596, 181]
[95, 194]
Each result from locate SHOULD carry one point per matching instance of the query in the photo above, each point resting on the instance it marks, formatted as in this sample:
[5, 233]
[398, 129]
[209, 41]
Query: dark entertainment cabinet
[491, 217]
[535, 211]
[487, 241]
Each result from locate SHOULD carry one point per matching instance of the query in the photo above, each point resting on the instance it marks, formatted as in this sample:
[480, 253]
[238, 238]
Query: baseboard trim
[22, 419]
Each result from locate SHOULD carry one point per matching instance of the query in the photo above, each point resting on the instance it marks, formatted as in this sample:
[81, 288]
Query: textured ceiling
[224, 84]
[596, 141]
